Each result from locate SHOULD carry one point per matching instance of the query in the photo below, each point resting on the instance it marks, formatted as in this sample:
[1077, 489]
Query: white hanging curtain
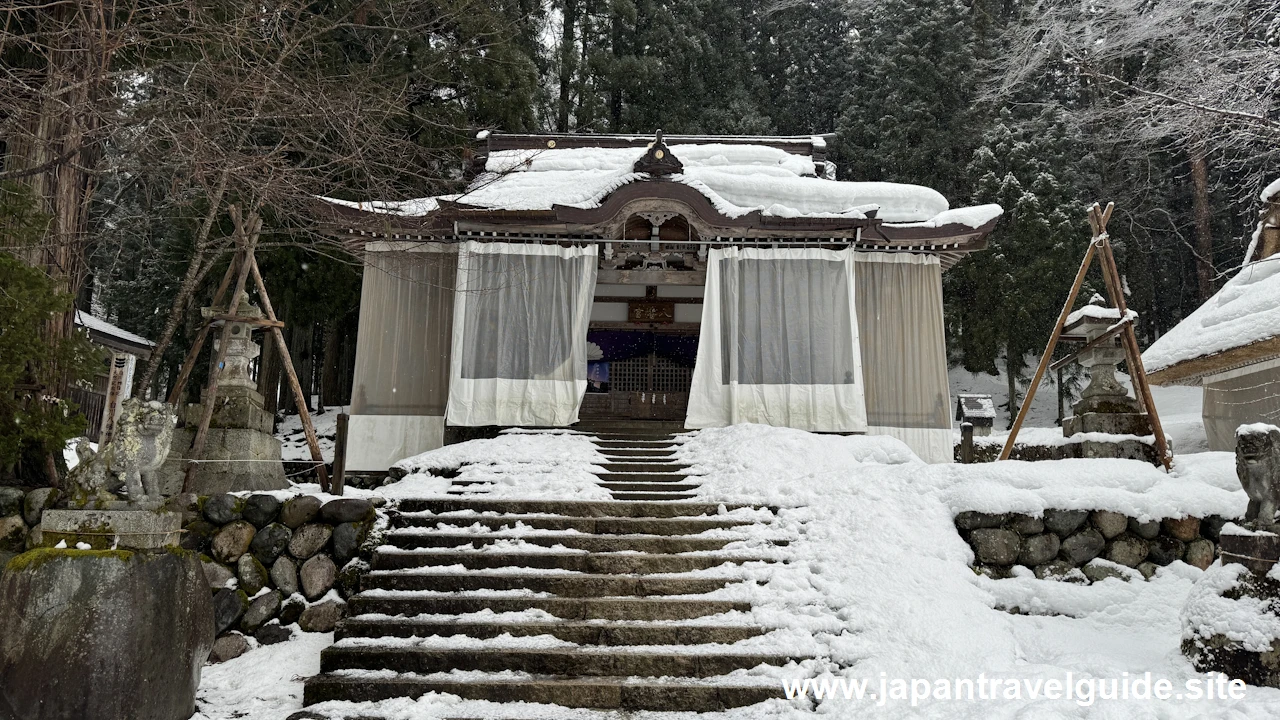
[904, 353]
[520, 334]
[779, 342]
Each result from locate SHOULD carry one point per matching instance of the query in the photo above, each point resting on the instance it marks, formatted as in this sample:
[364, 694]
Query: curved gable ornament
[655, 198]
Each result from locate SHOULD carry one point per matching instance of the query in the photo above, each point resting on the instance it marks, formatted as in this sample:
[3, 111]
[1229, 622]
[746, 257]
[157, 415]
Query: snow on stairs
[499, 588]
[641, 464]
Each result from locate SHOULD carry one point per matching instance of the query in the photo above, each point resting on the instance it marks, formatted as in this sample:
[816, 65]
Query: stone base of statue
[134, 527]
[1242, 588]
[240, 453]
[1259, 551]
[1115, 424]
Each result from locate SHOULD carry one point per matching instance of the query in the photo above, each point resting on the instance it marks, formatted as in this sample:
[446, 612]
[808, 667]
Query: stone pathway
[576, 603]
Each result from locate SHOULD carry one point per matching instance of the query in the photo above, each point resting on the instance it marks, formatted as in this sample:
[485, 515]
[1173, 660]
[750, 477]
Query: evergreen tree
[909, 115]
[34, 423]
[1002, 302]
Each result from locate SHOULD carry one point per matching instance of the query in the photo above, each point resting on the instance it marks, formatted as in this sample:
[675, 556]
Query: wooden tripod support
[1100, 246]
[242, 265]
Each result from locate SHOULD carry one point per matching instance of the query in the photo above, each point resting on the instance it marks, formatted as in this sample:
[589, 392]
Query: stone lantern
[240, 453]
[1105, 406]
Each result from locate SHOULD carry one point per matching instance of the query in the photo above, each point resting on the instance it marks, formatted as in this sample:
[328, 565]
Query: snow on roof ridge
[736, 178]
[92, 322]
[974, 216]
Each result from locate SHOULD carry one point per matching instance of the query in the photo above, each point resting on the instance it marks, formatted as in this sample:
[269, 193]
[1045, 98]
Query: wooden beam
[247, 240]
[652, 277]
[301, 400]
[1048, 353]
[259, 322]
[1141, 388]
[188, 363]
[340, 454]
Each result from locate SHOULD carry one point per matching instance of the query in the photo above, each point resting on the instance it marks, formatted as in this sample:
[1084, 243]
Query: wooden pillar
[966, 443]
[340, 455]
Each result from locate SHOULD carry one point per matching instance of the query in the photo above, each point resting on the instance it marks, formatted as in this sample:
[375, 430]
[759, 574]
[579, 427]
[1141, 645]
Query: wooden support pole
[1137, 373]
[248, 238]
[189, 362]
[966, 443]
[312, 442]
[340, 455]
[1048, 353]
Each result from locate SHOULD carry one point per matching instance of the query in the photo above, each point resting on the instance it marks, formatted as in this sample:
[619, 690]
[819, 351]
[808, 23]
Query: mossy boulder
[103, 634]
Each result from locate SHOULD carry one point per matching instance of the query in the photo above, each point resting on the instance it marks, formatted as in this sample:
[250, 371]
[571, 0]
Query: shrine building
[705, 280]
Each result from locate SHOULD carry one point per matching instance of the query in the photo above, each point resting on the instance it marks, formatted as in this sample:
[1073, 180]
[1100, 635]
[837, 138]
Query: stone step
[573, 508]
[600, 693]
[632, 437]
[614, 563]
[599, 608]
[598, 526]
[661, 468]
[650, 496]
[650, 487]
[423, 538]
[637, 453]
[563, 585]
[588, 662]
[582, 633]
[665, 445]
[645, 477]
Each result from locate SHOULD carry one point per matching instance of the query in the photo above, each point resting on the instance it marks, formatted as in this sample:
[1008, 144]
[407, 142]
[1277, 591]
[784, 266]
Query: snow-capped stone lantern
[1105, 406]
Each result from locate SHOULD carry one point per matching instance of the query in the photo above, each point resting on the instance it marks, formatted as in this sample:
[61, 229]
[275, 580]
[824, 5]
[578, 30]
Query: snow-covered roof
[1245, 311]
[970, 406]
[1097, 312]
[737, 179]
[98, 325]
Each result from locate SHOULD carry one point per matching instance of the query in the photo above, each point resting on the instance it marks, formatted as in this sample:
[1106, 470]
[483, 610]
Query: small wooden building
[711, 280]
[100, 402]
[1230, 346]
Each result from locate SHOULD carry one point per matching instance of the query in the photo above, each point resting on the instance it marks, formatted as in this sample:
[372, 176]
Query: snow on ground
[874, 581]
[264, 683]
[293, 441]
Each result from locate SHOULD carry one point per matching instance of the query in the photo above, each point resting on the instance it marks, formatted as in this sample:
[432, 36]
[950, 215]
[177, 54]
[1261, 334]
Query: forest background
[129, 127]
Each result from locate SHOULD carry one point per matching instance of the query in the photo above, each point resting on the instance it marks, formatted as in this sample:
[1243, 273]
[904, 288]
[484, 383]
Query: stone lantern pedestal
[240, 452]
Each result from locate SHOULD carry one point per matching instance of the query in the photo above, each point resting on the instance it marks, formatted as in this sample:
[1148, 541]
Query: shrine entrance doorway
[639, 374]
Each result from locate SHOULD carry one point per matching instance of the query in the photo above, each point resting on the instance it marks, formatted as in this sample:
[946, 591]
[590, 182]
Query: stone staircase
[641, 464]
[584, 604]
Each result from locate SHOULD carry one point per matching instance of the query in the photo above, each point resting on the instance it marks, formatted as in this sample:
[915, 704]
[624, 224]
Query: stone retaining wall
[1085, 546]
[987, 449]
[268, 564]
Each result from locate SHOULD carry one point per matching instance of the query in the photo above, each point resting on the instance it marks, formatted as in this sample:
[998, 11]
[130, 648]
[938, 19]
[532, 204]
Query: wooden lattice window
[649, 373]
